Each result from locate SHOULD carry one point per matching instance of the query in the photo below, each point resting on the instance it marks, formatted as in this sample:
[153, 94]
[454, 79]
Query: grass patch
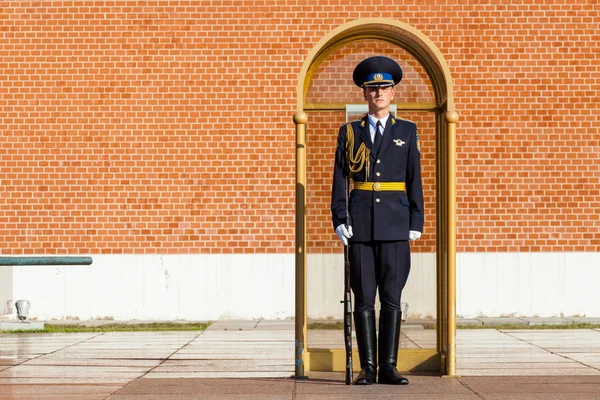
[146, 327]
[326, 325]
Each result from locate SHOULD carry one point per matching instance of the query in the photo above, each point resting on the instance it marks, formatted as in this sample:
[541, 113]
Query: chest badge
[399, 142]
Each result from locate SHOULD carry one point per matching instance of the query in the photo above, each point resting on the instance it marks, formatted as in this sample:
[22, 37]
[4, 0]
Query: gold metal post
[300, 119]
[440, 213]
[451, 119]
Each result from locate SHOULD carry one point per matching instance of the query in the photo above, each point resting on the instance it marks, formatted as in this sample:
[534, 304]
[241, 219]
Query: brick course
[166, 126]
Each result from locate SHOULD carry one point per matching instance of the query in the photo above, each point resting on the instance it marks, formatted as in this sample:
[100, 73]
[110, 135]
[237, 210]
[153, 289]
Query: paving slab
[469, 321]
[502, 321]
[206, 366]
[542, 396]
[499, 352]
[53, 391]
[201, 396]
[428, 323]
[395, 396]
[92, 361]
[585, 320]
[276, 325]
[79, 371]
[9, 361]
[591, 360]
[547, 321]
[227, 325]
[104, 380]
[511, 363]
[220, 374]
[551, 334]
[531, 387]
[223, 387]
[558, 371]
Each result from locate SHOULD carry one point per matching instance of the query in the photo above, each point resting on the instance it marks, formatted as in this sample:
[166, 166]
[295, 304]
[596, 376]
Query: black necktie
[377, 138]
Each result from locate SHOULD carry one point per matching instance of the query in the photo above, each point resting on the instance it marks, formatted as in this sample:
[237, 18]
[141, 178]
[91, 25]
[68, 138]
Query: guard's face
[378, 98]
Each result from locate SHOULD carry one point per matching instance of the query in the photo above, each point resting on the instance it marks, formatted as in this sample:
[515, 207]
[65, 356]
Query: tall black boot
[366, 338]
[389, 336]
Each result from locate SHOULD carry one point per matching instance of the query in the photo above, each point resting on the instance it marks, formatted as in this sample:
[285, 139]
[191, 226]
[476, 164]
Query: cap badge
[378, 77]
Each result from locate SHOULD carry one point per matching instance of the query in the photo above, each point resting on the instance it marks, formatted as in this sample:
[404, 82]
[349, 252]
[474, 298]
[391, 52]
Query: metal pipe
[44, 260]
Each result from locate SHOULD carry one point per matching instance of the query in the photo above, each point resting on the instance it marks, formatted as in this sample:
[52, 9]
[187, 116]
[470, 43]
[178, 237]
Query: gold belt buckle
[376, 187]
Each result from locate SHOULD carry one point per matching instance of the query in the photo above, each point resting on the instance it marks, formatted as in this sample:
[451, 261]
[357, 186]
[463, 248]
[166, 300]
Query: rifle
[347, 317]
[347, 301]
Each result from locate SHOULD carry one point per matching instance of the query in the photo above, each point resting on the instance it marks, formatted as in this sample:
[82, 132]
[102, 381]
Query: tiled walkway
[528, 352]
[173, 365]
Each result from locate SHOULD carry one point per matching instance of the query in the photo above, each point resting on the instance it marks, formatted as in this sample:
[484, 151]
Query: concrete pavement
[254, 360]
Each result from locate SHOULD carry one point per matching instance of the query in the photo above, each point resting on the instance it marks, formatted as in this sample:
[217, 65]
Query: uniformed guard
[380, 154]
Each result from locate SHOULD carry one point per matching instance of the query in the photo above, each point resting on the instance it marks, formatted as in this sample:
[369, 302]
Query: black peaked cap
[377, 66]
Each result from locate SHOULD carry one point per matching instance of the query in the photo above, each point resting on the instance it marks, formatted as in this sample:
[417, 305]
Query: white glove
[414, 235]
[343, 233]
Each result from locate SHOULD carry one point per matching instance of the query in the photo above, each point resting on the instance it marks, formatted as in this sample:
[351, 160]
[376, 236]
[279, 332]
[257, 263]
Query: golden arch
[429, 56]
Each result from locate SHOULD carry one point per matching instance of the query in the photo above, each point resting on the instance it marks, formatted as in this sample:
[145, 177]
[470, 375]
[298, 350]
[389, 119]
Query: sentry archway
[431, 59]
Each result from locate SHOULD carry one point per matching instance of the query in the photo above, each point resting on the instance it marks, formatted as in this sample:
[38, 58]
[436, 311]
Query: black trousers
[383, 265]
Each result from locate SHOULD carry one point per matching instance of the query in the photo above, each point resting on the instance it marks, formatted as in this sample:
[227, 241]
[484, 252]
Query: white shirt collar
[373, 120]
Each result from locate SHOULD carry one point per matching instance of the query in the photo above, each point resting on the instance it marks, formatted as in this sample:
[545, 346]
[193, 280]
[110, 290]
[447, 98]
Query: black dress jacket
[381, 215]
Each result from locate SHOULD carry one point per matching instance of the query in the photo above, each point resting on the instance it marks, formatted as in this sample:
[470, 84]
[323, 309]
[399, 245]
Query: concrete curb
[494, 322]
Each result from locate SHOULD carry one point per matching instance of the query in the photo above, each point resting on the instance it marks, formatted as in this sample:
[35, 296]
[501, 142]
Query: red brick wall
[166, 127]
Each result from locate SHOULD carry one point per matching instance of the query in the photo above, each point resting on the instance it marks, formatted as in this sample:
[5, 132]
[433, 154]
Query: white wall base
[210, 287]
[528, 284]
[162, 287]
[6, 290]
